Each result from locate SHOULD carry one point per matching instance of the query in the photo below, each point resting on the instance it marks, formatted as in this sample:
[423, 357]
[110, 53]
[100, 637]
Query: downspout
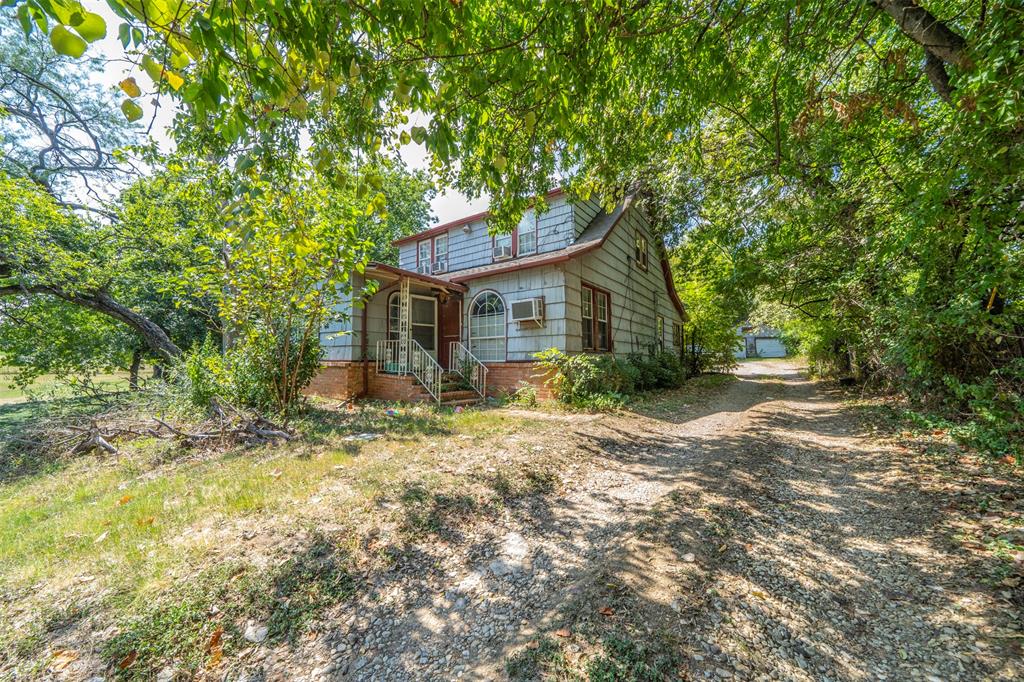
[363, 342]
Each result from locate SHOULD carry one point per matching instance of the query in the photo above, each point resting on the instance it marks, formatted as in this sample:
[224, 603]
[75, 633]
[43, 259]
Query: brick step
[459, 395]
[464, 401]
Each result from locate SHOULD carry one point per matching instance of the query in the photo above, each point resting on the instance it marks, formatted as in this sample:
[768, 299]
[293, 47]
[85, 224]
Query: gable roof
[593, 237]
[444, 227]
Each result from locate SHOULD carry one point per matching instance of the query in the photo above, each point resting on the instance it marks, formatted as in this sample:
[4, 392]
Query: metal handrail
[389, 360]
[462, 361]
[426, 369]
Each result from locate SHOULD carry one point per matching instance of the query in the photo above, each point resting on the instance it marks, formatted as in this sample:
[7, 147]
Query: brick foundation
[344, 381]
[505, 377]
[340, 380]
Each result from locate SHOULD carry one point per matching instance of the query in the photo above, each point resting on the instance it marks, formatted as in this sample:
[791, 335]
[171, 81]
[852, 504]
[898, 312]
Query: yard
[411, 543]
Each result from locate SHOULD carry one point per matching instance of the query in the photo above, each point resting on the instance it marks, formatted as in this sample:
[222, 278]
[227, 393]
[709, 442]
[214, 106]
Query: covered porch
[412, 327]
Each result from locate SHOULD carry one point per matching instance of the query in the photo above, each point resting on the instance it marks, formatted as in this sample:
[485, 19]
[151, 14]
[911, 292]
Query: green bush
[259, 372]
[602, 381]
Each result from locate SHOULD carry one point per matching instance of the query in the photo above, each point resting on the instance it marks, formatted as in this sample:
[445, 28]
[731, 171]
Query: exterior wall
[637, 296]
[340, 380]
[522, 341]
[344, 381]
[469, 245]
[583, 212]
[506, 377]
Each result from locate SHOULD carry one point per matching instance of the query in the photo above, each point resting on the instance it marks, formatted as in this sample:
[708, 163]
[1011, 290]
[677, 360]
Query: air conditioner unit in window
[440, 265]
[529, 310]
[423, 268]
[502, 251]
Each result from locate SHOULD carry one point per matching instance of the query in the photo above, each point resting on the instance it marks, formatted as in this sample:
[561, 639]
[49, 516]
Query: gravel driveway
[758, 534]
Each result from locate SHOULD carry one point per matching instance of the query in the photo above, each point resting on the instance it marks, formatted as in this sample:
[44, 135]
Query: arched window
[487, 327]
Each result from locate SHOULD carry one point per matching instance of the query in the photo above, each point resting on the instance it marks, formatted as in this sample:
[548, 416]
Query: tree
[407, 197]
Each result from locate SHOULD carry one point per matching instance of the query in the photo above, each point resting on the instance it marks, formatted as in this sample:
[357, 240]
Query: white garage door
[769, 348]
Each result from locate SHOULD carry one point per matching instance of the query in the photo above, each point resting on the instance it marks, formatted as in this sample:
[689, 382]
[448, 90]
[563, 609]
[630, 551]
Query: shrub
[525, 394]
[202, 374]
[266, 372]
[602, 381]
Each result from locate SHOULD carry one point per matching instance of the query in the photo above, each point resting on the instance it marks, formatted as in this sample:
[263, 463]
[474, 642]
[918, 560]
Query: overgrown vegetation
[604, 381]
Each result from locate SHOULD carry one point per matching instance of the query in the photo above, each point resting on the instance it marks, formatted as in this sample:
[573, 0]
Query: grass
[49, 385]
[133, 529]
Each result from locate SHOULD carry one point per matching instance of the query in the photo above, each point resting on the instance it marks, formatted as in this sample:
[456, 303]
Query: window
[527, 232]
[502, 247]
[596, 318]
[677, 335]
[487, 327]
[660, 331]
[394, 317]
[423, 320]
[640, 251]
[441, 252]
[423, 255]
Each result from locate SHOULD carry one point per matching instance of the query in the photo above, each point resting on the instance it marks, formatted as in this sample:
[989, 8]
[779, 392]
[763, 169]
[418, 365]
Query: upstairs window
[527, 232]
[640, 251]
[596, 319]
[440, 253]
[423, 254]
[502, 246]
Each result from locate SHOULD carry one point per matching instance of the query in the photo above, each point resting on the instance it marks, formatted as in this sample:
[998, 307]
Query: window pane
[528, 239]
[585, 301]
[503, 240]
[422, 311]
[393, 316]
[424, 252]
[602, 336]
[440, 246]
[602, 306]
[424, 335]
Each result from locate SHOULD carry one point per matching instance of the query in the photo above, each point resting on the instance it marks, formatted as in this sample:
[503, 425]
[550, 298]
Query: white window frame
[495, 243]
[640, 250]
[419, 251]
[504, 327]
[519, 238]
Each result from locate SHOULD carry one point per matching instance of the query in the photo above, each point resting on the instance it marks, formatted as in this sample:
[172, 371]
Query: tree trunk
[154, 336]
[133, 371]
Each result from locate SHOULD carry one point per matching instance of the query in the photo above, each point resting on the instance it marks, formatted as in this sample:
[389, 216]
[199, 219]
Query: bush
[266, 372]
[602, 381]
[525, 395]
[260, 372]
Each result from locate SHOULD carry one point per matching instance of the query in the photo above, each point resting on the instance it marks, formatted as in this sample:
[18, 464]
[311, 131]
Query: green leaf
[92, 27]
[131, 110]
[67, 43]
[419, 134]
[124, 34]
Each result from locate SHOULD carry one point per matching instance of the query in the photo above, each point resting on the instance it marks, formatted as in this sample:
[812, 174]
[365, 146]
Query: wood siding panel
[638, 296]
[522, 342]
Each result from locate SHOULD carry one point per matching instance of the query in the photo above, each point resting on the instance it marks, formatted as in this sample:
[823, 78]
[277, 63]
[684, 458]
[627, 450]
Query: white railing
[389, 358]
[467, 365]
[426, 369]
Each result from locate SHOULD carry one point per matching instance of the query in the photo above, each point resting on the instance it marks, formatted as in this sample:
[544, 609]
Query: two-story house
[470, 308]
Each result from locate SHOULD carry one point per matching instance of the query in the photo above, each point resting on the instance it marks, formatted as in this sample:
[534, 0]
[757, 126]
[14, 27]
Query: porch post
[404, 326]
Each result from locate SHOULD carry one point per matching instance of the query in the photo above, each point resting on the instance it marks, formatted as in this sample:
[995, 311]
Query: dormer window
[640, 251]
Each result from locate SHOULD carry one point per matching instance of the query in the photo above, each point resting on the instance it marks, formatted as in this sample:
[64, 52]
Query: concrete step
[465, 401]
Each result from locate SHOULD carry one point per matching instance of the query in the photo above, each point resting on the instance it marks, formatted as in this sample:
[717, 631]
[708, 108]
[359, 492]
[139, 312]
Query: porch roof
[389, 273]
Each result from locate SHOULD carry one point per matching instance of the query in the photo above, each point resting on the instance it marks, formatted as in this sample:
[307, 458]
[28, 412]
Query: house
[464, 312]
[759, 341]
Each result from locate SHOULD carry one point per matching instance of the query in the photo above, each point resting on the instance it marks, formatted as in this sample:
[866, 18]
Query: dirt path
[759, 535]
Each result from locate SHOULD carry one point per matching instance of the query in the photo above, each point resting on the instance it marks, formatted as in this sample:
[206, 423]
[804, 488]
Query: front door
[451, 327]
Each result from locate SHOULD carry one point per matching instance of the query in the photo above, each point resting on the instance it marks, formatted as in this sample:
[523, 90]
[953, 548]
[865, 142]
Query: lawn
[104, 538]
[48, 385]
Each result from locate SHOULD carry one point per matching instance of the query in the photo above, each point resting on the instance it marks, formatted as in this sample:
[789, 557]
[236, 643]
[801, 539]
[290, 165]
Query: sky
[446, 206]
